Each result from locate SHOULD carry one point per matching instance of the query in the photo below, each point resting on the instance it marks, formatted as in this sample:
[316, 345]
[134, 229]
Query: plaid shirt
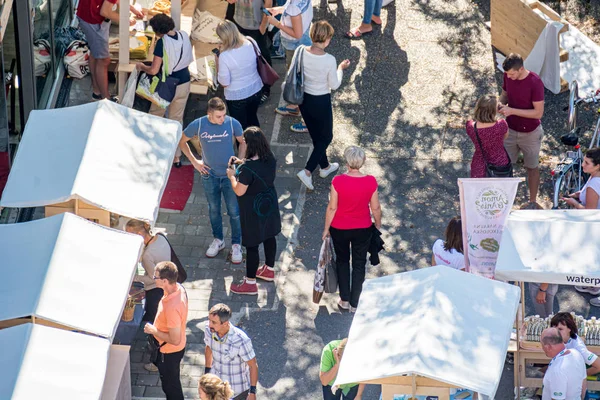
[230, 357]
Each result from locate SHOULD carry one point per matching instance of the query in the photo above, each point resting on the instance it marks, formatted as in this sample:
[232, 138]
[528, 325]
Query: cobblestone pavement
[411, 86]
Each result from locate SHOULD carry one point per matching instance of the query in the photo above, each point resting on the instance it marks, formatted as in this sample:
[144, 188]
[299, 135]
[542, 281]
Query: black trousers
[153, 297]
[245, 110]
[253, 259]
[318, 117]
[168, 368]
[346, 241]
[230, 12]
[338, 395]
[261, 41]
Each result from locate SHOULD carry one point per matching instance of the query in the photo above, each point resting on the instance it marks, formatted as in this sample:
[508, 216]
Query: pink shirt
[354, 196]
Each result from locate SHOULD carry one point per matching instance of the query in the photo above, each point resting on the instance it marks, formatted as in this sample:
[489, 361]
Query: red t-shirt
[521, 95]
[354, 196]
[89, 10]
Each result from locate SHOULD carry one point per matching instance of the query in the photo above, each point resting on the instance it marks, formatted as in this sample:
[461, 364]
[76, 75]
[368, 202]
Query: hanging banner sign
[484, 206]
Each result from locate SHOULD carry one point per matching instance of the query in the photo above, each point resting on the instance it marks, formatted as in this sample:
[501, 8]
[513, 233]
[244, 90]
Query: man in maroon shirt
[95, 17]
[522, 103]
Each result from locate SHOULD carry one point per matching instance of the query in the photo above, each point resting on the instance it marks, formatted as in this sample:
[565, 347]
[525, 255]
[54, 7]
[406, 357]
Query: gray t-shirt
[157, 251]
[216, 141]
[248, 14]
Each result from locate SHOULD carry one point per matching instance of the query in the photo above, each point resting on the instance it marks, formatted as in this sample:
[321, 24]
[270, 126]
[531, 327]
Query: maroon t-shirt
[89, 10]
[521, 95]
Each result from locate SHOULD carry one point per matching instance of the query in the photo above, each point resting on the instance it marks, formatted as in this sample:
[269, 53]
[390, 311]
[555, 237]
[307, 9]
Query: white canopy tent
[107, 155]
[67, 271]
[429, 330]
[39, 362]
[551, 246]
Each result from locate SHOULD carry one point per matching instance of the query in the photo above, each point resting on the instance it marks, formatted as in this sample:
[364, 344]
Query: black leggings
[252, 257]
[318, 117]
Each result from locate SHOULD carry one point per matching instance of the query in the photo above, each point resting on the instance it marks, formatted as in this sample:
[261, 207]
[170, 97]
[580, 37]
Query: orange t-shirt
[172, 313]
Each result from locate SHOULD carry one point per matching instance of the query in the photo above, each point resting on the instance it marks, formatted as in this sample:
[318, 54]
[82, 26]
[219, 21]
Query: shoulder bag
[293, 87]
[491, 170]
[181, 272]
[267, 74]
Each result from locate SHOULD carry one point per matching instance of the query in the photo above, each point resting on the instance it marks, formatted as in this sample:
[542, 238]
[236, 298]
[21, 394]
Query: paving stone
[148, 379]
[154, 391]
[137, 391]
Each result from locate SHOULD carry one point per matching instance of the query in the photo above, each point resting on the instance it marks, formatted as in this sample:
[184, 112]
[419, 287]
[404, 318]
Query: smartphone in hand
[265, 11]
[216, 52]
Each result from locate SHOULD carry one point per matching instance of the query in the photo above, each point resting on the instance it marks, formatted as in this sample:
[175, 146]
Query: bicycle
[568, 174]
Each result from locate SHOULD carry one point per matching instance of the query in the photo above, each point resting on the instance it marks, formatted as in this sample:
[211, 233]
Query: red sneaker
[266, 273]
[244, 288]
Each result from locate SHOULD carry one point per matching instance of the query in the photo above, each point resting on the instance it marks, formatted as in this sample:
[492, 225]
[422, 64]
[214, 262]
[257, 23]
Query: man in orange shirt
[169, 329]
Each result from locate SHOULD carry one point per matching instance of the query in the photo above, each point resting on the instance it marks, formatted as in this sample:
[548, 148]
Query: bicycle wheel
[566, 183]
[573, 97]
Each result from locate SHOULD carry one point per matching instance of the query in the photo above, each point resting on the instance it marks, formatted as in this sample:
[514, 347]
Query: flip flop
[356, 34]
[372, 21]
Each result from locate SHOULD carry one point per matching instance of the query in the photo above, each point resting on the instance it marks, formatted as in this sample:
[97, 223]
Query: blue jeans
[214, 187]
[372, 7]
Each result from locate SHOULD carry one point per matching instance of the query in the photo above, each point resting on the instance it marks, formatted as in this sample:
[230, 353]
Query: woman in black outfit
[252, 180]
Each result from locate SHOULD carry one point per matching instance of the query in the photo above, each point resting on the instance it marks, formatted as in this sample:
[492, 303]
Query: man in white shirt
[565, 378]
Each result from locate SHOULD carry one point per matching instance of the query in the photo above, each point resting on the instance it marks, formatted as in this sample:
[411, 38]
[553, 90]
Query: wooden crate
[82, 209]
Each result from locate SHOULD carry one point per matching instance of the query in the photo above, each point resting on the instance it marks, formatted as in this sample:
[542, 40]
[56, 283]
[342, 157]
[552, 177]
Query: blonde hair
[229, 35]
[355, 157]
[486, 109]
[214, 387]
[341, 347]
[138, 226]
[321, 31]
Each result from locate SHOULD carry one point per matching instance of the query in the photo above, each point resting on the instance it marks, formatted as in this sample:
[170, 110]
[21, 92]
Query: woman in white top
[296, 17]
[320, 76]
[567, 327]
[588, 196]
[449, 252]
[238, 74]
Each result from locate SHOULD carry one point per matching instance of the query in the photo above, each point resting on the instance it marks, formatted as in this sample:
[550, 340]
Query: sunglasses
[156, 277]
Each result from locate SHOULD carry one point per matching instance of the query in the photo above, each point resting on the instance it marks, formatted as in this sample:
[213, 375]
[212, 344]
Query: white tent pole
[123, 45]
[176, 13]
[463, 223]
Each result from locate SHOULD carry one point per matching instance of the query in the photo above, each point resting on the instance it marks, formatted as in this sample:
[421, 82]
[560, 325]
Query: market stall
[547, 246]
[93, 160]
[40, 362]
[66, 272]
[430, 331]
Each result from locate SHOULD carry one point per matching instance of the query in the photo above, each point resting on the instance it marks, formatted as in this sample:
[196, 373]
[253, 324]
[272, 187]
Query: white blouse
[238, 72]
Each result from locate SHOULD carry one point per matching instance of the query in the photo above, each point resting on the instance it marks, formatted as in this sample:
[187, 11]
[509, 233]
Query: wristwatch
[252, 390]
[542, 290]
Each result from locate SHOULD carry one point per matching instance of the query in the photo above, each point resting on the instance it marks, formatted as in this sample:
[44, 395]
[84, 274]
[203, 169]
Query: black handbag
[154, 348]
[181, 272]
[491, 170]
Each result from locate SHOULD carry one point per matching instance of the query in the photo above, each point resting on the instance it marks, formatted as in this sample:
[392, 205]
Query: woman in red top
[492, 133]
[352, 199]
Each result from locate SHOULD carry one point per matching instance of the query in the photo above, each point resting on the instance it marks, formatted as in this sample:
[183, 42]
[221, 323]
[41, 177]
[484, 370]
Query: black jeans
[261, 41]
[245, 110]
[343, 241]
[252, 257]
[329, 395]
[153, 297]
[168, 368]
[318, 117]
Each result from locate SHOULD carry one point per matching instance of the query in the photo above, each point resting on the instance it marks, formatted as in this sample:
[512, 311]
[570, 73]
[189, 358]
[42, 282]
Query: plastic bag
[325, 275]
[130, 88]
[77, 59]
[203, 27]
[41, 57]
[145, 91]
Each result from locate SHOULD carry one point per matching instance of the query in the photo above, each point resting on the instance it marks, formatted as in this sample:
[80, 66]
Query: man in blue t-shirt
[216, 132]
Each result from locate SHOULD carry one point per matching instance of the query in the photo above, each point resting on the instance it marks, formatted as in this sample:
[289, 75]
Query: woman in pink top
[352, 199]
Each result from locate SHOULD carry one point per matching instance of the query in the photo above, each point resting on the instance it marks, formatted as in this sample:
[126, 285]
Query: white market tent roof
[551, 246]
[105, 154]
[67, 270]
[39, 362]
[437, 323]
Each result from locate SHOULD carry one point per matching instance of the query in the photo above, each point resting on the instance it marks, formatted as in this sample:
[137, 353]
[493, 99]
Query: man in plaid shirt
[229, 353]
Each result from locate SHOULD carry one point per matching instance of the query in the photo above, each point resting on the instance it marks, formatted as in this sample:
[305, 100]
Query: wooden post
[123, 46]
[76, 206]
[414, 386]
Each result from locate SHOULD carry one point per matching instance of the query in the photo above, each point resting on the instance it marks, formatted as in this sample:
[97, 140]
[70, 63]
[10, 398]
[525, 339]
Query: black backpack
[181, 273]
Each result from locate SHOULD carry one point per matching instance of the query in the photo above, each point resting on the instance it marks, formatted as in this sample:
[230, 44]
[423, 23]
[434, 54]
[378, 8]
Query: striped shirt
[231, 354]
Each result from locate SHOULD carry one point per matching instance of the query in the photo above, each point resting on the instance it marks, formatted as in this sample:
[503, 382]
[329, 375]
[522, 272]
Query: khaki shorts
[529, 143]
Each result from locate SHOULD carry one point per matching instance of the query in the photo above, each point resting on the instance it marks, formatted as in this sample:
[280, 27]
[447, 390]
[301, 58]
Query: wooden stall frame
[413, 385]
[82, 209]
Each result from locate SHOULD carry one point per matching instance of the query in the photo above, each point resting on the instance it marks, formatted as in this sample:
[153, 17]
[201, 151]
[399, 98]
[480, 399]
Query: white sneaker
[236, 254]
[588, 289]
[215, 247]
[324, 173]
[307, 180]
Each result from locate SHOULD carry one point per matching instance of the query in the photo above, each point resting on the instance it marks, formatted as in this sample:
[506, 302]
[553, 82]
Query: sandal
[376, 23]
[177, 164]
[288, 111]
[356, 34]
[299, 128]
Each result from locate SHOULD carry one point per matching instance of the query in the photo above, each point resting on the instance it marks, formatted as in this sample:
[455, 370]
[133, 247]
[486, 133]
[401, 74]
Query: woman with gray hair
[352, 201]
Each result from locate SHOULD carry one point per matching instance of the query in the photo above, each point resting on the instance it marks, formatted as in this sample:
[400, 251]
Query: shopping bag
[293, 87]
[77, 59]
[326, 266]
[42, 58]
[204, 26]
[130, 87]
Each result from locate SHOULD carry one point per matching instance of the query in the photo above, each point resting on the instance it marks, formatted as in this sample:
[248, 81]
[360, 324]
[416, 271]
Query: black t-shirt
[184, 74]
